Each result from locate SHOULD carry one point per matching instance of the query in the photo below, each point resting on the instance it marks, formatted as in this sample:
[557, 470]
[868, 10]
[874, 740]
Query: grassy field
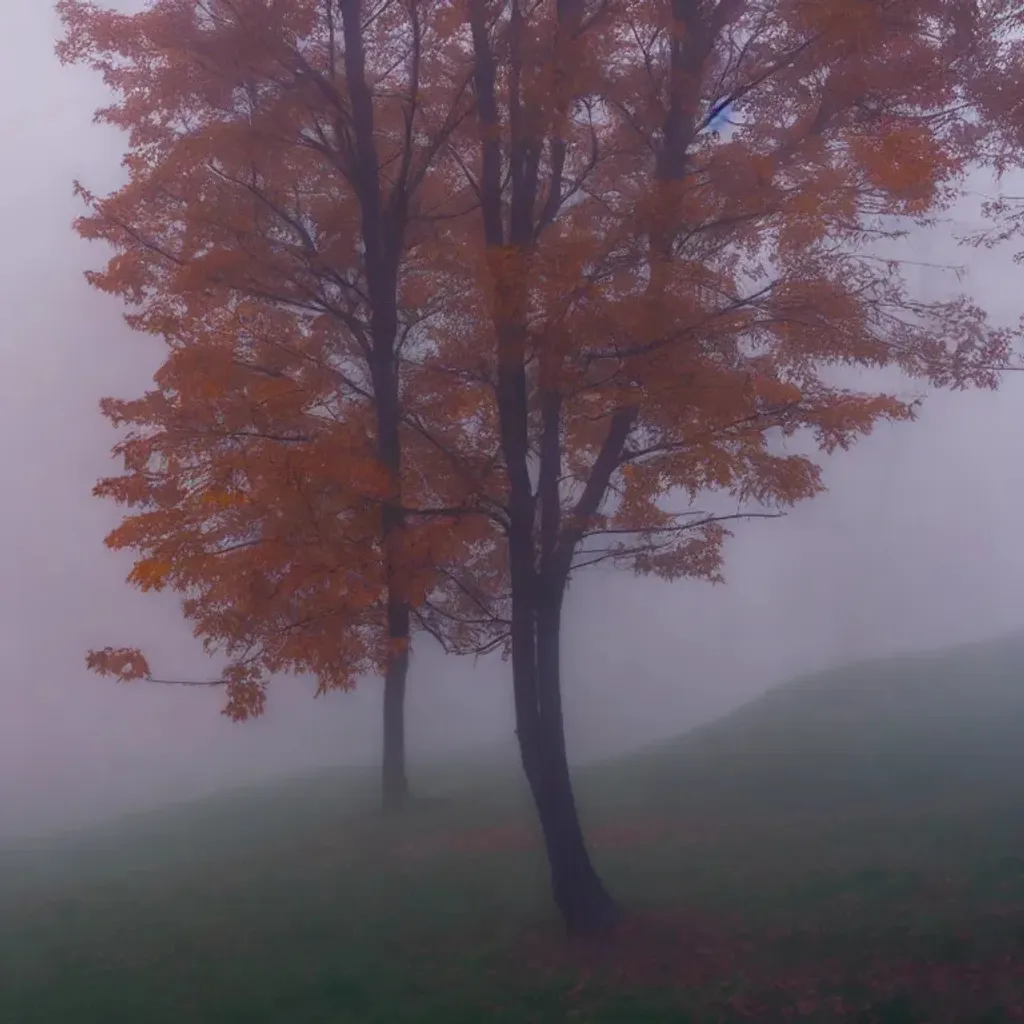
[848, 848]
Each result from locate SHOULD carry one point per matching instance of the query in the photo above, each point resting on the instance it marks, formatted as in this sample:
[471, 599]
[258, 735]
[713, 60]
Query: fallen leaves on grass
[721, 968]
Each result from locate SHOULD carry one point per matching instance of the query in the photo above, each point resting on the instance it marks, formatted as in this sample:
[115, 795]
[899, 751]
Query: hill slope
[900, 728]
[289, 902]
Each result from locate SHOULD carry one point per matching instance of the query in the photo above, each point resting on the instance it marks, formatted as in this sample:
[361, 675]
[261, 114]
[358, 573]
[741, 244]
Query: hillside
[899, 729]
[943, 722]
[806, 844]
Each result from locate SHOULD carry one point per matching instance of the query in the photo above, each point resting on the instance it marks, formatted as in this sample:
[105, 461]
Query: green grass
[850, 847]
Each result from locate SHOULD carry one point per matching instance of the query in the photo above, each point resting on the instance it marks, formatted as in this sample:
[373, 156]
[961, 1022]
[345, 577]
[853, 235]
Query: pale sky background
[919, 542]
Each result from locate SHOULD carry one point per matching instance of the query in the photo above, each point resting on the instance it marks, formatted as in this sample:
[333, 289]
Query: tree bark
[382, 228]
[394, 782]
[538, 572]
[586, 906]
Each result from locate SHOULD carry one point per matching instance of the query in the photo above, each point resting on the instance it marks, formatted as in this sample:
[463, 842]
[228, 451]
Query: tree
[661, 307]
[276, 231]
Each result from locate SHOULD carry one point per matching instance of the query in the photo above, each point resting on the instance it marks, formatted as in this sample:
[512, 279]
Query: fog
[917, 544]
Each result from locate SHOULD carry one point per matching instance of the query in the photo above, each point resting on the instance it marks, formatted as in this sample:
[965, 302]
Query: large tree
[275, 230]
[660, 306]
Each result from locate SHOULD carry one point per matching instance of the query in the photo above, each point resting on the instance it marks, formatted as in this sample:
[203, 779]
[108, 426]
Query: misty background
[918, 543]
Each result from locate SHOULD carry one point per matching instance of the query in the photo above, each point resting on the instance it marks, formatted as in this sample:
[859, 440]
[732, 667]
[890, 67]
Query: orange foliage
[287, 472]
[678, 299]
[601, 301]
[124, 663]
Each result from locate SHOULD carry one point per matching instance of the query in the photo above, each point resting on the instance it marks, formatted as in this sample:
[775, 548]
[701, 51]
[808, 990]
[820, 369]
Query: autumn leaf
[124, 663]
[150, 573]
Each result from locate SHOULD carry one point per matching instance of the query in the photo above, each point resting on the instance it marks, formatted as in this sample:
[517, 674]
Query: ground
[830, 898]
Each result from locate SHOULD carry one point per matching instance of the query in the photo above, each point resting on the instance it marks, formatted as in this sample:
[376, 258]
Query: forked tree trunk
[538, 571]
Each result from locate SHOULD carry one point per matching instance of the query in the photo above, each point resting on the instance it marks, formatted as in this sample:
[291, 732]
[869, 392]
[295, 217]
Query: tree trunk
[395, 787]
[394, 782]
[586, 906]
[382, 229]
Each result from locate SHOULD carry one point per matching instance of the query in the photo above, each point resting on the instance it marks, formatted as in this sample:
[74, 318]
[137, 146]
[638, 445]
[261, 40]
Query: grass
[849, 848]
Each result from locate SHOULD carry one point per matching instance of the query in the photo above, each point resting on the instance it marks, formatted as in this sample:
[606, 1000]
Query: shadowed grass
[849, 873]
